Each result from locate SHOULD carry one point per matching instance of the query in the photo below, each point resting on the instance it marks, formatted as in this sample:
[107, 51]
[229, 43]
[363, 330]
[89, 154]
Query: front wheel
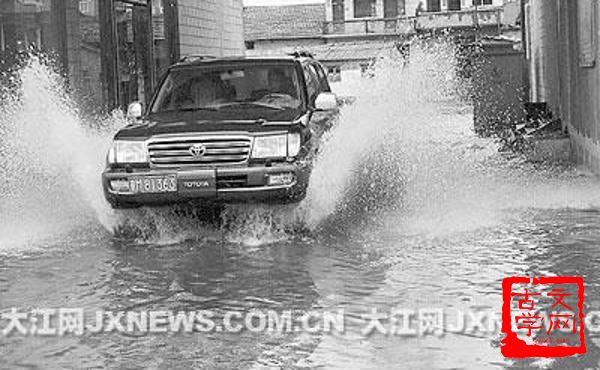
[298, 194]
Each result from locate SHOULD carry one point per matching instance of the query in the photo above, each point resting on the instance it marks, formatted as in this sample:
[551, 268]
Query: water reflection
[566, 245]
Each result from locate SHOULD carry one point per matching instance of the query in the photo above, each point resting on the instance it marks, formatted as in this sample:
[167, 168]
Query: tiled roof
[273, 22]
[354, 51]
[343, 51]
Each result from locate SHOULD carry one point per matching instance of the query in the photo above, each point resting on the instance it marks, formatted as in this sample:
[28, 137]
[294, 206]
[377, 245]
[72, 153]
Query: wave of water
[405, 147]
[52, 159]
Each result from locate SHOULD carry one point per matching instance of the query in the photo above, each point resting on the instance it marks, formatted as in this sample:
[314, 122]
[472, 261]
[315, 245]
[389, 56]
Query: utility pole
[151, 77]
[58, 16]
[476, 20]
[524, 41]
[109, 54]
[172, 29]
[143, 37]
[2, 42]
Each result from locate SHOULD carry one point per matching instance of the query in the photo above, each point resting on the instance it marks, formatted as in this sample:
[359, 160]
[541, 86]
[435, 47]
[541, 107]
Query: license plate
[153, 185]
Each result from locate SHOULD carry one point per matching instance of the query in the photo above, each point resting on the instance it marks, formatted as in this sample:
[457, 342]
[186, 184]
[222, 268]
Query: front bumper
[218, 185]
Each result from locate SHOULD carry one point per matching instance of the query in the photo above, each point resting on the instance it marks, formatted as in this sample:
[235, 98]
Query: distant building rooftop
[280, 22]
[354, 51]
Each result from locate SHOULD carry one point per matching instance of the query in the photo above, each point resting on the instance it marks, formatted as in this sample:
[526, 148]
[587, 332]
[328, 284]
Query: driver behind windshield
[205, 91]
[270, 87]
[199, 92]
[280, 83]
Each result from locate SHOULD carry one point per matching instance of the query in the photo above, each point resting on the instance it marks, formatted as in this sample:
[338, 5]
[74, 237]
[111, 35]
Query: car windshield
[260, 87]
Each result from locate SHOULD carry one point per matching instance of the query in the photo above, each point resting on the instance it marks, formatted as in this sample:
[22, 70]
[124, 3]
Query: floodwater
[407, 210]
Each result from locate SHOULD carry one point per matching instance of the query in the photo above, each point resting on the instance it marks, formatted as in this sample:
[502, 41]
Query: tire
[117, 205]
[298, 194]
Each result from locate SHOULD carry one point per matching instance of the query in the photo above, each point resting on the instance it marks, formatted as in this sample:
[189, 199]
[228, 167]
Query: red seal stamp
[543, 317]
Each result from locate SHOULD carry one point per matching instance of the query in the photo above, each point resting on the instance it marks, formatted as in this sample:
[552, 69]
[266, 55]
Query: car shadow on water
[299, 274]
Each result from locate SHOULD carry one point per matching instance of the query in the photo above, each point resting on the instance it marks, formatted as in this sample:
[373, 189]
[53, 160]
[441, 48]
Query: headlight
[123, 152]
[276, 146]
[294, 144]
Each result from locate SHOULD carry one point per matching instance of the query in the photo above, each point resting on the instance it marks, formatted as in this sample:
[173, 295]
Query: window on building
[483, 2]
[339, 12]
[390, 8]
[249, 45]
[586, 23]
[334, 73]
[366, 69]
[454, 4]
[157, 8]
[434, 6]
[85, 6]
[364, 8]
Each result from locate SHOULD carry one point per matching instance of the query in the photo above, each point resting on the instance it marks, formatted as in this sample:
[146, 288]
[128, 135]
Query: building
[210, 27]
[348, 35]
[132, 61]
[277, 30]
[273, 29]
[344, 10]
[49, 25]
[105, 48]
[563, 57]
[356, 17]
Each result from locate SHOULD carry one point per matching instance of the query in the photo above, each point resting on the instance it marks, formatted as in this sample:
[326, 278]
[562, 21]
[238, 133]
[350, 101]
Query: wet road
[416, 214]
[374, 266]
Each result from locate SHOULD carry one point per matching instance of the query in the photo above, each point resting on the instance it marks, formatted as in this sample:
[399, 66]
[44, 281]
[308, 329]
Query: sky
[279, 2]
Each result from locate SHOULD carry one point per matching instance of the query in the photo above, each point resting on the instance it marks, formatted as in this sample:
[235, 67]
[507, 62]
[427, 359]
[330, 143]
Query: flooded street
[407, 209]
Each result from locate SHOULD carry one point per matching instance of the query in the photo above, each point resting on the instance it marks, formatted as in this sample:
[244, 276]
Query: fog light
[285, 178]
[120, 186]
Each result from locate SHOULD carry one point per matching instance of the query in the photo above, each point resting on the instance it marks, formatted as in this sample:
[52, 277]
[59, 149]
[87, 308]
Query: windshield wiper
[250, 105]
[174, 110]
[211, 109]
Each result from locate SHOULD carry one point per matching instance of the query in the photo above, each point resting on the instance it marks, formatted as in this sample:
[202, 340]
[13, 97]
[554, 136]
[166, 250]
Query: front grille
[218, 150]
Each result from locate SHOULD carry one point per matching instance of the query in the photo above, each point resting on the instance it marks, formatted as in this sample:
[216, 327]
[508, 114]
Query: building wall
[211, 27]
[543, 66]
[54, 26]
[584, 89]
[410, 7]
[90, 83]
[575, 55]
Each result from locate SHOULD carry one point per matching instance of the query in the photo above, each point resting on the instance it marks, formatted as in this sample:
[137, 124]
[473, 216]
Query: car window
[324, 83]
[312, 83]
[225, 87]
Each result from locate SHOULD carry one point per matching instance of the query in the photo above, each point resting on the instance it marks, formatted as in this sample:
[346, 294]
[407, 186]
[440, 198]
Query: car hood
[192, 122]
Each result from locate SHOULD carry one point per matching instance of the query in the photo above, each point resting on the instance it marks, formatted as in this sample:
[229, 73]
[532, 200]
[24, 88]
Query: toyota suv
[223, 130]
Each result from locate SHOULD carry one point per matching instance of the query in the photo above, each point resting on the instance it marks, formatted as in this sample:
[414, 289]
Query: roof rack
[301, 54]
[194, 57]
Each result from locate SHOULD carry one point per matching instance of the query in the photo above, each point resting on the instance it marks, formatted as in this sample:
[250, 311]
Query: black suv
[223, 130]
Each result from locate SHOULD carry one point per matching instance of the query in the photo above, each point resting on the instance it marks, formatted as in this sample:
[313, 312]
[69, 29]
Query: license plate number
[153, 185]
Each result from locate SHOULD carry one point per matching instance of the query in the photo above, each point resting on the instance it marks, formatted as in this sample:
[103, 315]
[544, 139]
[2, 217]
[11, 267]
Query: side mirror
[326, 101]
[135, 110]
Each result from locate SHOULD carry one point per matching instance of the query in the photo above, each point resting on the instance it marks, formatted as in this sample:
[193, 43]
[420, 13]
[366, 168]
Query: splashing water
[52, 160]
[405, 148]
[399, 97]
[408, 146]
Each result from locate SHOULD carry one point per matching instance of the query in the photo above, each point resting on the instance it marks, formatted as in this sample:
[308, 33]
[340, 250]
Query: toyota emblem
[197, 150]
